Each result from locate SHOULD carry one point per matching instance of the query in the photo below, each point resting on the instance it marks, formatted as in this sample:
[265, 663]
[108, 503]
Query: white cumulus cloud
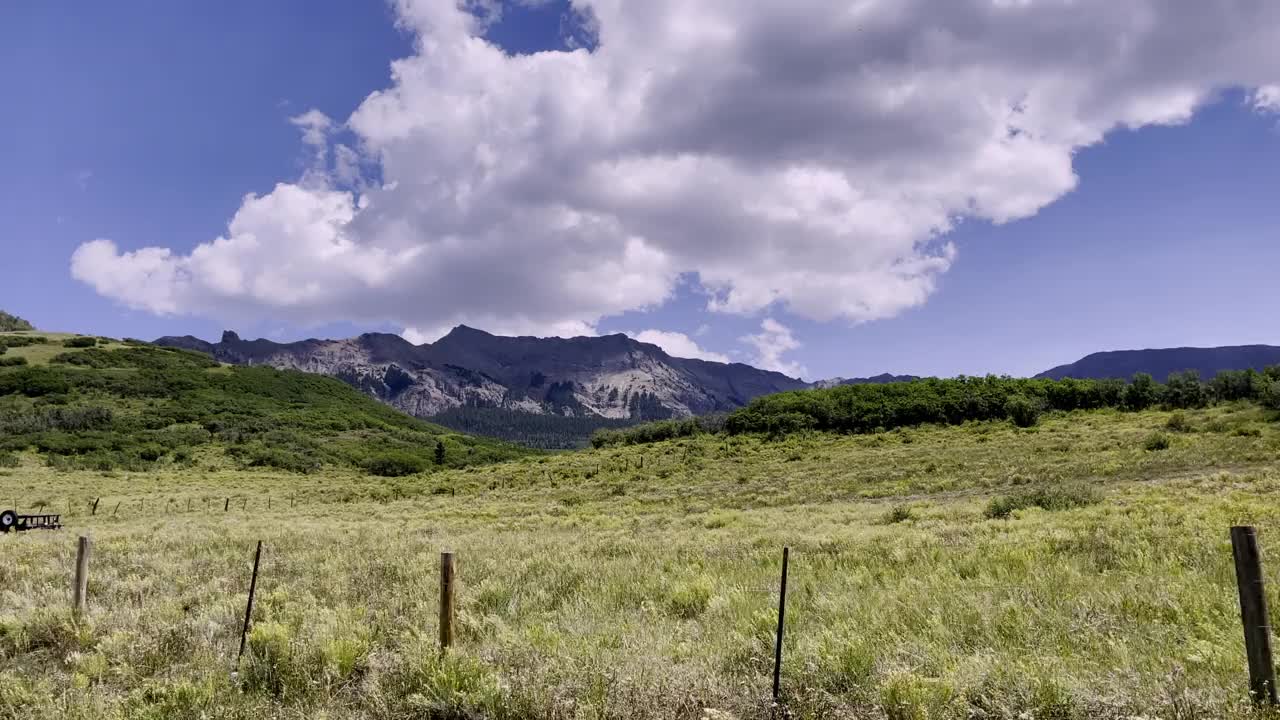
[772, 342]
[800, 156]
[678, 345]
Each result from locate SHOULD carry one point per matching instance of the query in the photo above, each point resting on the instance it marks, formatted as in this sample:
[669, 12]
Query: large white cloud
[805, 156]
[678, 344]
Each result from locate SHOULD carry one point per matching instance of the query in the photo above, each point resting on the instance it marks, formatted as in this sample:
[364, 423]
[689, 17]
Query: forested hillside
[879, 407]
[545, 432]
[84, 403]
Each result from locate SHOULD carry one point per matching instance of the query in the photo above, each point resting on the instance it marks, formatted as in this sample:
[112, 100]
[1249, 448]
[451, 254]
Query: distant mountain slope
[613, 376]
[1161, 362]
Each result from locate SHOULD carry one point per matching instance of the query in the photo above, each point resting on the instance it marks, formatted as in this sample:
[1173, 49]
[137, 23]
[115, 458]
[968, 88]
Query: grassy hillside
[97, 404]
[887, 406]
[1076, 569]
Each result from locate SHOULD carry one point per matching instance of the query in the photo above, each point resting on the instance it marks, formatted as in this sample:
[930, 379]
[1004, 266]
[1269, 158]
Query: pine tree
[439, 452]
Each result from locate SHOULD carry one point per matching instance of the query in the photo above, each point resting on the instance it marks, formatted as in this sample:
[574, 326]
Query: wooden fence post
[116, 508]
[80, 590]
[95, 506]
[226, 505]
[248, 608]
[782, 614]
[1253, 613]
[446, 600]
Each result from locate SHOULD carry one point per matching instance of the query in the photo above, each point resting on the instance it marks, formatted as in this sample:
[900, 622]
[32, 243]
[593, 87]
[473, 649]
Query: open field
[640, 582]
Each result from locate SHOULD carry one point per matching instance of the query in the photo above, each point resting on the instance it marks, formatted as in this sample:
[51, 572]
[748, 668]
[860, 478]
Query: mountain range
[608, 377]
[554, 392]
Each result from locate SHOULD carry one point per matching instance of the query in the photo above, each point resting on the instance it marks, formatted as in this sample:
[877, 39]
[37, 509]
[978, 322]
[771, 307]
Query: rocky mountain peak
[607, 377]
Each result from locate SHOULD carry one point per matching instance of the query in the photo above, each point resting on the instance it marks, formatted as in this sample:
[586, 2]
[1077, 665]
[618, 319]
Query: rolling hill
[1160, 363]
[82, 402]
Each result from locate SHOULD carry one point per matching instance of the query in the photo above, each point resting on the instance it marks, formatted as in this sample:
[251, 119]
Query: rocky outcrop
[612, 376]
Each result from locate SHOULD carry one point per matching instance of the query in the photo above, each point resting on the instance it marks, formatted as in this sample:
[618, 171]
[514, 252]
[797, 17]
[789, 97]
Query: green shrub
[80, 342]
[1046, 498]
[59, 418]
[866, 408]
[1178, 422]
[396, 464]
[899, 513]
[657, 431]
[1156, 442]
[14, 341]
[269, 666]
[1141, 393]
[1184, 390]
[15, 361]
[1230, 385]
[1271, 395]
[425, 683]
[141, 358]
[1023, 411]
[690, 599]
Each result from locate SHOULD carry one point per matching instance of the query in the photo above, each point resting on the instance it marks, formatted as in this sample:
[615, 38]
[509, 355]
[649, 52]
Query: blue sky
[149, 124]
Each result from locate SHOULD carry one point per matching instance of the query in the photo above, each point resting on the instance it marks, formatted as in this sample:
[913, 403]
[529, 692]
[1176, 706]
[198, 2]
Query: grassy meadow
[1080, 568]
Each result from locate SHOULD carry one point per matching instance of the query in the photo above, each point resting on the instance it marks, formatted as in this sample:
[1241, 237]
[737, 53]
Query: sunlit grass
[42, 353]
[641, 582]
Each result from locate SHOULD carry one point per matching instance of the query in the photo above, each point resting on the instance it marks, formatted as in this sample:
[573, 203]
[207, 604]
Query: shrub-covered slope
[869, 408]
[134, 406]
